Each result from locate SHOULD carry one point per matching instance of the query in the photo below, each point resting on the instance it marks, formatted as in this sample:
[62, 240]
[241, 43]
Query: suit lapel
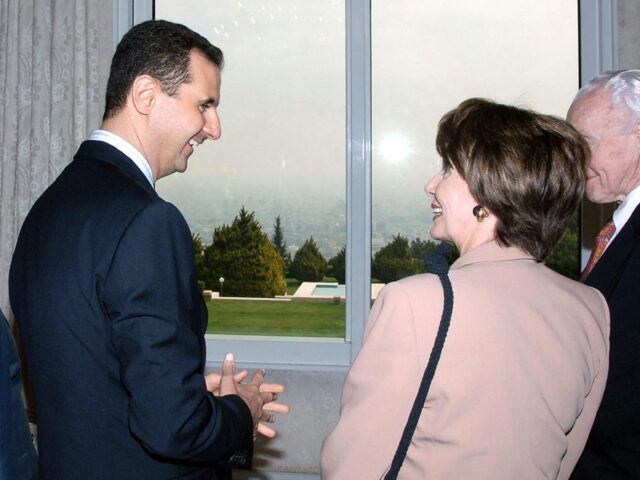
[605, 274]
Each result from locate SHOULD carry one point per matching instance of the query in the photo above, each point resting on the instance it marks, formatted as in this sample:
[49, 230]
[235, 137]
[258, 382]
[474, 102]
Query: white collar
[125, 147]
[624, 210]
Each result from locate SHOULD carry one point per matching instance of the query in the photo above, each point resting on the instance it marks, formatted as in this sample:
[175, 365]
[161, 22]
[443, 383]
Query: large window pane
[428, 57]
[282, 151]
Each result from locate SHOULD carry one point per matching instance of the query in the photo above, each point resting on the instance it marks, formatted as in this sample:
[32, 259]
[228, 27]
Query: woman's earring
[480, 213]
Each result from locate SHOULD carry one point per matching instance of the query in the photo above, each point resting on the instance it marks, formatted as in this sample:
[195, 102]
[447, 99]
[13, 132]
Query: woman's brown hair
[526, 168]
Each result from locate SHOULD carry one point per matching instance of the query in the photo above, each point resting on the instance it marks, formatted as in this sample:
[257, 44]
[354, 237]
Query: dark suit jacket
[613, 448]
[103, 287]
[17, 455]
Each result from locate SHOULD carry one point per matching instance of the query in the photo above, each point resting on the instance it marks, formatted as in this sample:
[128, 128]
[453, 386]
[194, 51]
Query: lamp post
[221, 280]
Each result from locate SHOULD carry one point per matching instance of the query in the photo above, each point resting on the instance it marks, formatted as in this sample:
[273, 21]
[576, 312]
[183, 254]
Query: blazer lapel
[101, 151]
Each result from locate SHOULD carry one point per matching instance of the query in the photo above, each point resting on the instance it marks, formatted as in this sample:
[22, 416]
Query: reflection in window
[271, 192]
[427, 58]
[282, 153]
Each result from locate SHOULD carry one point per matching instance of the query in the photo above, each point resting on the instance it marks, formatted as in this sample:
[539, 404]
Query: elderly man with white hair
[607, 112]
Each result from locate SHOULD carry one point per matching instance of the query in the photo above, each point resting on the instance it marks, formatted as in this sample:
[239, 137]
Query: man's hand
[213, 381]
[259, 396]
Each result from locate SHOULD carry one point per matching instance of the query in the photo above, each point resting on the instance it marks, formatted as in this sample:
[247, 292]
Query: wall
[628, 34]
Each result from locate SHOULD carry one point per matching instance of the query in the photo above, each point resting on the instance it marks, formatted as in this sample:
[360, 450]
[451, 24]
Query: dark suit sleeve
[613, 448]
[151, 297]
[17, 454]
[5, 402]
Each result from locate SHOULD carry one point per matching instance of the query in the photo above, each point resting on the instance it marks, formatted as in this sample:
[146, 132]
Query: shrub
[308, 264]
[337, 266]
[199, 248]
[394, 261]
[565, 258]
[244, 256]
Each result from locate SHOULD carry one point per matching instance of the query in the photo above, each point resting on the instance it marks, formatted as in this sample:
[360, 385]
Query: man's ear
[144, 91]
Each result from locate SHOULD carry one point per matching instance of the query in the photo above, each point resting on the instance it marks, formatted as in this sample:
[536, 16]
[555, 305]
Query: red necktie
[601, 243]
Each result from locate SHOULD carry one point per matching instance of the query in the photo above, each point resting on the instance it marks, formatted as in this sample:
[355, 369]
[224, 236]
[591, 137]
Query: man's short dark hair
[157, 48]
[528, 169]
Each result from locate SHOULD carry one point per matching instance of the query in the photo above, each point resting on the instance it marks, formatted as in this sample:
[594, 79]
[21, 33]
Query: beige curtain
[54, 61]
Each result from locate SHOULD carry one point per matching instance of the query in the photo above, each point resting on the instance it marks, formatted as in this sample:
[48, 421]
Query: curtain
[54, 61]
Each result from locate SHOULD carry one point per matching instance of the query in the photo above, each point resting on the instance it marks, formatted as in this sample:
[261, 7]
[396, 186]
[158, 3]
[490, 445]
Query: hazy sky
[283, 97]
[283, 91]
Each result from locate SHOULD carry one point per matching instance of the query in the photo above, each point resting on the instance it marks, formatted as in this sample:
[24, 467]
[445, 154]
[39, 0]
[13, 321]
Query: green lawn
[254, 317]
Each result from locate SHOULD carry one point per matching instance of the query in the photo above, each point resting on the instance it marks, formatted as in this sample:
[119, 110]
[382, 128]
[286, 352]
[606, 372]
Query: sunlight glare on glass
[394, 147]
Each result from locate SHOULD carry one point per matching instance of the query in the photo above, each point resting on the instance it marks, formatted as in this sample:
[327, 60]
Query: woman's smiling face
[453, 219]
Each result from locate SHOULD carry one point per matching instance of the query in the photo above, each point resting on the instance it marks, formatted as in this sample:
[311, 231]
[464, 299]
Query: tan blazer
[521, 375]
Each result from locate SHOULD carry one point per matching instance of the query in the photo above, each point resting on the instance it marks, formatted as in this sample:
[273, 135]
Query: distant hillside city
[303, 217]
[323, 217]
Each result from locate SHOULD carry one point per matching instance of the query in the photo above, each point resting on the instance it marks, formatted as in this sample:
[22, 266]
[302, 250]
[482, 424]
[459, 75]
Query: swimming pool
[335, 290]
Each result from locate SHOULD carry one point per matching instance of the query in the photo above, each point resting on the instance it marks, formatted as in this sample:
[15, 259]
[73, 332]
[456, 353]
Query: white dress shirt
[125, 147]
[624, 211]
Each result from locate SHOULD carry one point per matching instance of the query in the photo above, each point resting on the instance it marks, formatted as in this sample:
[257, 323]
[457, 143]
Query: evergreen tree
[565, 258]
[199, 248]
[421, 249]
[337, 266]
[244, 256]
[279, 242]
[308, 264]
[394, 261]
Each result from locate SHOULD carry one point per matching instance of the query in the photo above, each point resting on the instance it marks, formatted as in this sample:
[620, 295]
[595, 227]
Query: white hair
[624, 88]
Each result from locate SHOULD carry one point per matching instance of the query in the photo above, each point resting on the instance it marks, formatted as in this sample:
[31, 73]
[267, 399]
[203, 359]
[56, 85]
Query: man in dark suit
[103, 287]
[607, 112]
[17, 455]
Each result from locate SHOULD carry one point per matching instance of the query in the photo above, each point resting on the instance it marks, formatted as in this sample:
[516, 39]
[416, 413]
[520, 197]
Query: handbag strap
[436, 263]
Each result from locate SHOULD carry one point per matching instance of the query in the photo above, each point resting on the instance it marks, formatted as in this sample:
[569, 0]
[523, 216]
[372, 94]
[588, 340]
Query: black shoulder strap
[437, 264]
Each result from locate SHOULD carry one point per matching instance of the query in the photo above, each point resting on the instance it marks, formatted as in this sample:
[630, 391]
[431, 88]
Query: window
[430, 56]
[281, 158]
[426, 58]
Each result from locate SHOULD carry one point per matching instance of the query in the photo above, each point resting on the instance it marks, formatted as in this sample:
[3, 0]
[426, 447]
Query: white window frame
[303, 352]
[598, 52]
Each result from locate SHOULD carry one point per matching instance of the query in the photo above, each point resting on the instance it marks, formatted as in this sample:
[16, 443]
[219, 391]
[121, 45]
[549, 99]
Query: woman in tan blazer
[524, 364]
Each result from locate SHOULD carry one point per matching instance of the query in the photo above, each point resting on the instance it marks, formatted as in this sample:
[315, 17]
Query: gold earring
[480, 213]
